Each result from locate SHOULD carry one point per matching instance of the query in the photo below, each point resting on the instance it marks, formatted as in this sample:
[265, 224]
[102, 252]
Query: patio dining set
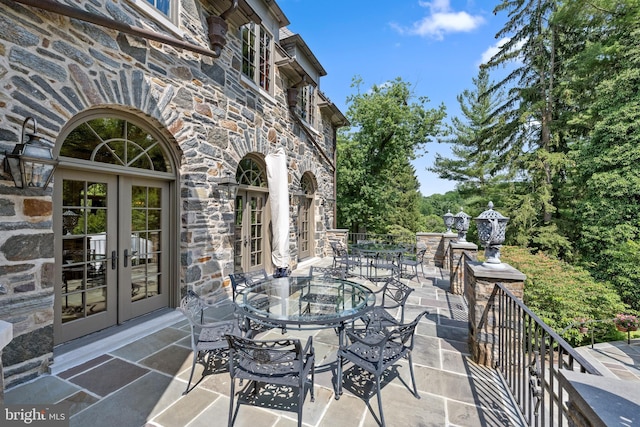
[368, 320]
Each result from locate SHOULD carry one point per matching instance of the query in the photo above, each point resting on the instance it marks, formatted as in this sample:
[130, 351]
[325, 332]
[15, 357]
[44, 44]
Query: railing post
[457, 253]
[479, 284]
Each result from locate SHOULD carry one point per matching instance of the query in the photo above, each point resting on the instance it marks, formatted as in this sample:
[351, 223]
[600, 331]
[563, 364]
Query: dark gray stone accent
[52, 93]
[28, 246]
[215, 72]
[7, 208]
[103, 59]
[28, 346]
[73, 97]
[95, 33]
[193, 274]
[72, 53]
[13, 33]
[40, 107]
[34, 62]
[137, 53]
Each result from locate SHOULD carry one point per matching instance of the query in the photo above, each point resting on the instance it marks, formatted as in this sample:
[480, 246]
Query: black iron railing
[528, 355]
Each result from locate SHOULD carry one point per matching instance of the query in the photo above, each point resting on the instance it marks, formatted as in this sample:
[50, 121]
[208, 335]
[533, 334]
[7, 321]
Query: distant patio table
[379, 255]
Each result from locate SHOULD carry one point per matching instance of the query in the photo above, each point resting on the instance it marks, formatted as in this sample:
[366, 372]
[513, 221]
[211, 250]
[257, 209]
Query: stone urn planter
[461, 224]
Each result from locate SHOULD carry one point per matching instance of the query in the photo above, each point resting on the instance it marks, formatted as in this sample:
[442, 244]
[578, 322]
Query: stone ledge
[601, 400]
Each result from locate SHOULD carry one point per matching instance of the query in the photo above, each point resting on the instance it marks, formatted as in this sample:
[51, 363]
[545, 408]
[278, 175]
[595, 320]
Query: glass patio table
[305, 302]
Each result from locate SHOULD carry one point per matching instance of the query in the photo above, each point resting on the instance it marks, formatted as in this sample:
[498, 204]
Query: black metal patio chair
[411, 262]
[207, 339]
[376, 351]
[239, 281]
[282, 362]
[389, 310]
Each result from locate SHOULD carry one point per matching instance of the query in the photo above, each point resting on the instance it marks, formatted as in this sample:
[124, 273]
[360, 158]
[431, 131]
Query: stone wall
[54, 69]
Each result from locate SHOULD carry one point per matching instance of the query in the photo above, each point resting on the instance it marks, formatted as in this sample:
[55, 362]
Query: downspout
[72, 12]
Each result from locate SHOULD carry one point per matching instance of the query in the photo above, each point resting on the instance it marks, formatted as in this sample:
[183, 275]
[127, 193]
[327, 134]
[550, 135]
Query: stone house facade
[149, 107]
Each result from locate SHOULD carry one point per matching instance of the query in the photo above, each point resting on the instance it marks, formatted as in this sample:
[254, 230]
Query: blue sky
[436, 46]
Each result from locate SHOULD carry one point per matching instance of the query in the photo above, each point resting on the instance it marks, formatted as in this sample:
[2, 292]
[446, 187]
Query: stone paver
[141, 383]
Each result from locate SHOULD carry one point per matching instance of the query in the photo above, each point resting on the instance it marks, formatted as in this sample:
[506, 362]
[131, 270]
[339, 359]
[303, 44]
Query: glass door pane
[143, 279]
[85, 225]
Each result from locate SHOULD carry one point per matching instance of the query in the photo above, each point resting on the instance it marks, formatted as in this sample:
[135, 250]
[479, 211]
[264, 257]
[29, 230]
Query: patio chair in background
[207, 339]
[282, 362]
[342, 258]
[239, 281]
[377, 351]
[408, 262]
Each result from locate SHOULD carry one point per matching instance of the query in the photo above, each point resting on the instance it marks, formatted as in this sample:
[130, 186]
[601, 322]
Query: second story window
[256, 55]
[163, 6]
[306, 104]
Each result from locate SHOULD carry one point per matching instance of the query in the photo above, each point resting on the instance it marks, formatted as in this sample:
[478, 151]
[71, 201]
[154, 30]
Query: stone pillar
[6, 335]
[336, 235]
[447, 238]
[457, 252]
[479, 283]
[432, 242]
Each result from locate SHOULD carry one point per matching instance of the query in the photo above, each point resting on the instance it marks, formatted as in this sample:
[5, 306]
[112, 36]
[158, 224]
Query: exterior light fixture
[217, 33]
[492, 226]
[461, 223]
[31, 164]
[448, 220]
[228, 185]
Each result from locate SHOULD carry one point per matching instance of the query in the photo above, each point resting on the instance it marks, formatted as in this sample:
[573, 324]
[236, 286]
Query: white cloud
[492, 50]
[440, 21]
[495, 48]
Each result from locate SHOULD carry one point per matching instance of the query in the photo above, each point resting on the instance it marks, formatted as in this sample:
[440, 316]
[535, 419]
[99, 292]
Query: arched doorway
[306, 217]
[251, 244]
[114, 219]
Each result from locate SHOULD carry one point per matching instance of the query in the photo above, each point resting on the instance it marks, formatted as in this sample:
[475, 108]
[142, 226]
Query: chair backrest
[404, 333]
[395, 294]
[264, 358]
[192, 307]
[326, 272]
[240, 281]
[338, 249]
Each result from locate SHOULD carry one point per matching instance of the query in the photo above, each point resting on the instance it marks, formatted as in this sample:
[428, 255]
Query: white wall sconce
[31, 164]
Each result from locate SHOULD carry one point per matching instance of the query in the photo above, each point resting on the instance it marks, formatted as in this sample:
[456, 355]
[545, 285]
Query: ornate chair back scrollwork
[283, 362]
[207, 339]
[376, 351]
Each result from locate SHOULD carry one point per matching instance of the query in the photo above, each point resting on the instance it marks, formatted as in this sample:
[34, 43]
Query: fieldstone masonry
[479, 282]
[458, 253]
[55, 69]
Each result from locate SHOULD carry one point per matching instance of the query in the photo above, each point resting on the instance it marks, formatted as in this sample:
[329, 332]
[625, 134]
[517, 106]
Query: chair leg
[413, 378]
[382, 424]
[231, 396]
[193, 368]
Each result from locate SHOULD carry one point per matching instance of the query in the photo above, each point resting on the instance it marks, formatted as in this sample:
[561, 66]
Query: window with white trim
[164, 12]
[163, 6]
[257, 48]
[306, 107]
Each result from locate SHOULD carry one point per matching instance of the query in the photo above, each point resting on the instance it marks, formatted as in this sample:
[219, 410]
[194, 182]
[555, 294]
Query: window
[307, 104]
[162, 5]
[256, 55]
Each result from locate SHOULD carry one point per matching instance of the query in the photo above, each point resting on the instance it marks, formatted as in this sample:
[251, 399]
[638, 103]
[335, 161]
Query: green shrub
[559, 294]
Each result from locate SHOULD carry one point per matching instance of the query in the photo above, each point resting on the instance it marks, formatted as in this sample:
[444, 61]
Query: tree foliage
[376, 183]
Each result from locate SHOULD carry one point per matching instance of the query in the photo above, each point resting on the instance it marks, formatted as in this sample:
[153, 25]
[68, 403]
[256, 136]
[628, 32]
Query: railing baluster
[529, 356]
